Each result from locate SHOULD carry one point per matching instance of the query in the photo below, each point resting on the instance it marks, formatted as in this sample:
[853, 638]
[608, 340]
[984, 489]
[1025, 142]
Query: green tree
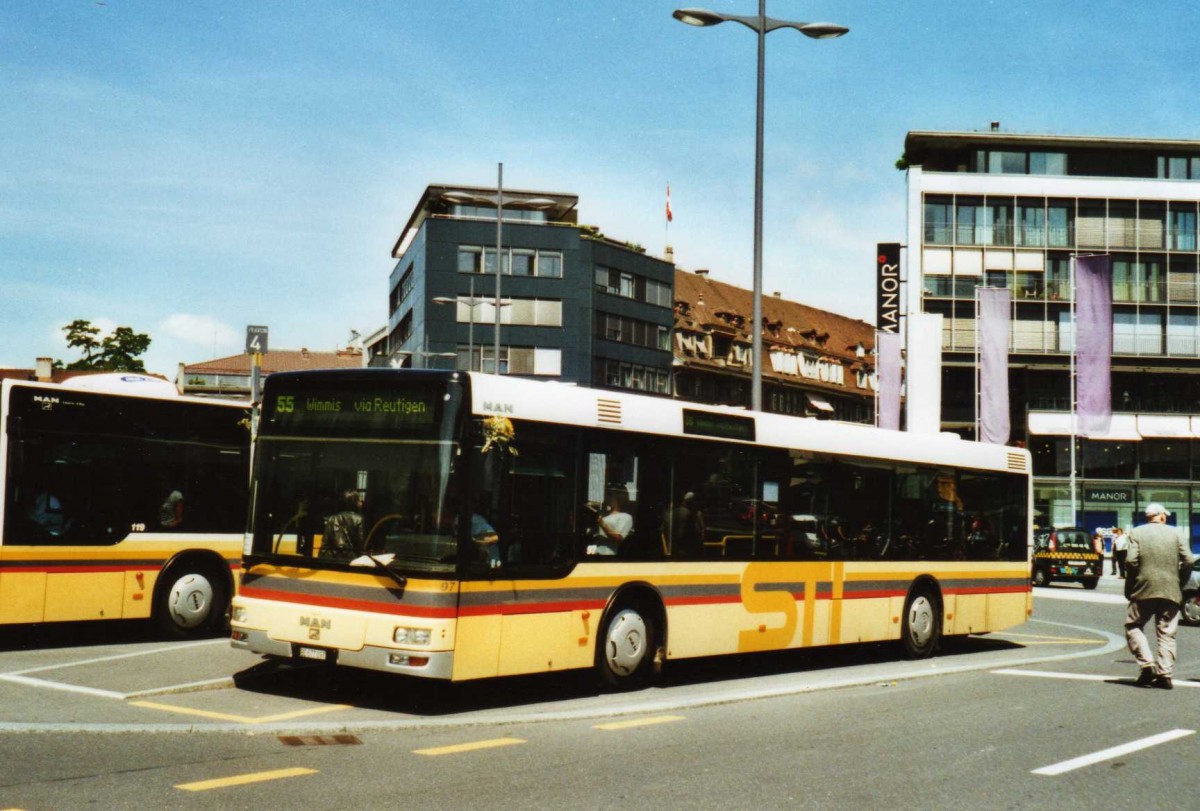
[114, 353]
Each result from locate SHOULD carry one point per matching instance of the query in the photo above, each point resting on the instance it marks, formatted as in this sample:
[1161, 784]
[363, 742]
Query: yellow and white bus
[120, 501]
[459, 526]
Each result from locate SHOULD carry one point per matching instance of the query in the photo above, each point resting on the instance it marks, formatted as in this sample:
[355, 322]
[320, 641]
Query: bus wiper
[400, 579]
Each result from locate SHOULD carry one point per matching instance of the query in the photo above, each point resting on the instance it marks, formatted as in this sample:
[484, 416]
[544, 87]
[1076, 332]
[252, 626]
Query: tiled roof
[284, 360]
[706, 305]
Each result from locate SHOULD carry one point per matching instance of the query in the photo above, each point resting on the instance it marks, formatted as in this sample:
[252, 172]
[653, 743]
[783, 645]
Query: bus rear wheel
[922, 624]
[191, 601]
[625, 650]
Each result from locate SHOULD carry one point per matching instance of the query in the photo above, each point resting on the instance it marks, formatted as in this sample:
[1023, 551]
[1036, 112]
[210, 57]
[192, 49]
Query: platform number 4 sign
[256, 340]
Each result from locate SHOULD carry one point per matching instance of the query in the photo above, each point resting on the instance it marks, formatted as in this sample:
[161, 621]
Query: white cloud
[199, 330]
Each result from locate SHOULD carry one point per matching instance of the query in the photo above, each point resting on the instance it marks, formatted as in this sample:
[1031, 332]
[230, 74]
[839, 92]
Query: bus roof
[569, 404]
[147, 392]
[576, 405]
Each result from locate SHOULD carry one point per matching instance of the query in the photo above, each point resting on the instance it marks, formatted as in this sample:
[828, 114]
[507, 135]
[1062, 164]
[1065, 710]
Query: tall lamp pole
[499, 200]
[762, 25]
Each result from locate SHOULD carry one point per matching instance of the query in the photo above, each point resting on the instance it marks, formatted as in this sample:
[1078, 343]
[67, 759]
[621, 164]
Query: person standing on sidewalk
[1155, 555]
[1120, 547]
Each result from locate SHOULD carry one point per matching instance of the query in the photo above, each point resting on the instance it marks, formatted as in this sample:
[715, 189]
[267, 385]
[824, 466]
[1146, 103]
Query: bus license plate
[319, 654]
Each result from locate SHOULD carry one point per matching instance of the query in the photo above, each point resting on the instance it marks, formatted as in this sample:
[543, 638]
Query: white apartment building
[1003, 209]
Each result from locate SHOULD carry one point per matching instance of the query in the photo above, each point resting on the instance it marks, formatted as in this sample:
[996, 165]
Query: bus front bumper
[422, 663]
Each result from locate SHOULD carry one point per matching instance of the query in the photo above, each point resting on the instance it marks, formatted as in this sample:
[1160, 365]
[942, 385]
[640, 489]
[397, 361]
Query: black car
[1066, 554]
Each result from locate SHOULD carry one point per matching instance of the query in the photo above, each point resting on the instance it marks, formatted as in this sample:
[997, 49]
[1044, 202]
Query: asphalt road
[1044, 716]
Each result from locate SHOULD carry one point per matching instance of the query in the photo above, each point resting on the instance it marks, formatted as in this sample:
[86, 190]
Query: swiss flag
[669, 217]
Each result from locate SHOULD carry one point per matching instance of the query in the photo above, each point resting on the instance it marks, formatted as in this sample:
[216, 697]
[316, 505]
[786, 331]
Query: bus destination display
[722, 426]
[325, 411]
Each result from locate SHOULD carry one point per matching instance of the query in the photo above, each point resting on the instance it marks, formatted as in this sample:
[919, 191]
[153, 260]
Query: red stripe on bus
[398, 609]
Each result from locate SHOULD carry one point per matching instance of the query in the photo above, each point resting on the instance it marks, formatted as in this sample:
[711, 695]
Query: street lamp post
[424, 354]
[471, 303]
[762, 25]
[498, 199]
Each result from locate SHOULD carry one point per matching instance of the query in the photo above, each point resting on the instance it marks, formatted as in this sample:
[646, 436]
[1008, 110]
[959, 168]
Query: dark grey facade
[576, 306]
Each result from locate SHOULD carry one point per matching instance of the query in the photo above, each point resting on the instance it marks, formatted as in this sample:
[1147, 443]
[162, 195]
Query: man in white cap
[1156, 554]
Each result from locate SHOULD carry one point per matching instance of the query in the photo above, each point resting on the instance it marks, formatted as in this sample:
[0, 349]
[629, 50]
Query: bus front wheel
[191, 601]
[626, 648]
[922, 624]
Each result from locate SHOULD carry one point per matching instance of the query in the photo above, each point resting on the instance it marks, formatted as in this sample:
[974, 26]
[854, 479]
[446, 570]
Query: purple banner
[994, 316]
[1093, 343]
[887, 367]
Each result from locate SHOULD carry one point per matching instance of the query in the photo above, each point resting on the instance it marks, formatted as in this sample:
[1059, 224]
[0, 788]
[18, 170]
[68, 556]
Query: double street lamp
[471, 302]
[498, 200]
[762, 25]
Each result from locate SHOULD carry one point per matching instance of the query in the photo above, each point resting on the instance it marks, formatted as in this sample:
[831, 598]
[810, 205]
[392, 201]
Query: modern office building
[1011, 210]
[576, 305]
[818, 364]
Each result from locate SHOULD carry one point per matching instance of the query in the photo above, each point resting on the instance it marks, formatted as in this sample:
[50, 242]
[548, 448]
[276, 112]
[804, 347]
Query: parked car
[1066, 554]
[1189, 612]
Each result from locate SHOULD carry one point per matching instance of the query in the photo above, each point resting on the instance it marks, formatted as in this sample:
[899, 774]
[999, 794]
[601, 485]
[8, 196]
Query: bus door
[61, 497]
[519, 614]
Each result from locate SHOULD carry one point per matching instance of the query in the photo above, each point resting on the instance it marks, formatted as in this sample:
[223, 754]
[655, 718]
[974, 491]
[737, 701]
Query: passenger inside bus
[47, 513]
[343, 538]
[170, 513]
[485, 537]
[613, 527]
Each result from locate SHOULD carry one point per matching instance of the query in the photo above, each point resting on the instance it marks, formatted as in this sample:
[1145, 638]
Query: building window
[939, 220]
[402, 290]
[517, 261]
[1031, 224]
[633, 331]
[638, 288]
[633, 376]
[402, 332]
[1181, 228]
[1020, 162]
[489, 213]
[968, 217]
[522, 312]
[1178, 167]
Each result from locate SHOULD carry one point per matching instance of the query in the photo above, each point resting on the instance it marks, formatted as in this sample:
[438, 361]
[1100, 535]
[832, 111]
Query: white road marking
[1114, 752]
[21, 677]
[114, 657]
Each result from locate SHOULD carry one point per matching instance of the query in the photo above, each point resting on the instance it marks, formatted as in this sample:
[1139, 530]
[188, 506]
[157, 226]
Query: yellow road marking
[468, 747]
[241, 719]
[243, 779]
[639, 722]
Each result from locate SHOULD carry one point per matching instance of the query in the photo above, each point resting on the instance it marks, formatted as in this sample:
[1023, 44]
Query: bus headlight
[411, 636]
[238, 614]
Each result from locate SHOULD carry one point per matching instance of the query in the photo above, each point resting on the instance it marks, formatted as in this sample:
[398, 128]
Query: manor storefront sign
[1108, 495]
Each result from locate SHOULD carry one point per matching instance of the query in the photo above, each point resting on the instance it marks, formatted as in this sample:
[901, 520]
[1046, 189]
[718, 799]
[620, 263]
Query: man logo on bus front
[314, 632]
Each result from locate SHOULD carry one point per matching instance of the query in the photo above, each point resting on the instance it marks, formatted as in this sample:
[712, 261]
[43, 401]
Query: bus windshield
[361, 475]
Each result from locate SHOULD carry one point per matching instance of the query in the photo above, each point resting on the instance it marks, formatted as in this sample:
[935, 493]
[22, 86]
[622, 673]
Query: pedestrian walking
[1154, 557]
[1120, 546]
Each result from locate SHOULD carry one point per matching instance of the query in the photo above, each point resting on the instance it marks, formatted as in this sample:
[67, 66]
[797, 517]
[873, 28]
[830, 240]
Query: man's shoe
[1146, 678]
[1163, 683]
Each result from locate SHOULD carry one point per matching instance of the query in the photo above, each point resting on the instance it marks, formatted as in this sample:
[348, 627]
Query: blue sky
[187, 169]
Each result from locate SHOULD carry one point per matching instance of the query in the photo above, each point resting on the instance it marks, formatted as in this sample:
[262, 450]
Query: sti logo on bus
[498, 408]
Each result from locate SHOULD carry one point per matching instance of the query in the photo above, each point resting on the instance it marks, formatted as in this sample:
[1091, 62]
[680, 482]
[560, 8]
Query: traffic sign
[256, 340]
